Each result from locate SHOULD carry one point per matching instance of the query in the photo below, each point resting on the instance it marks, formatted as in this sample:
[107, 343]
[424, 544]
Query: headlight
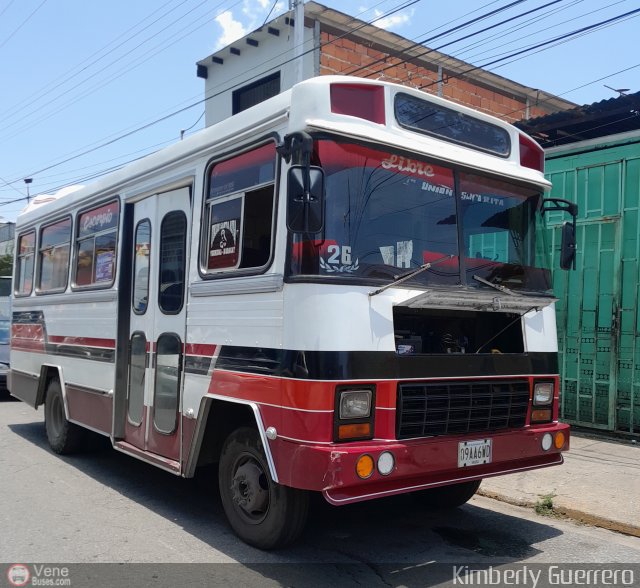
[355, 404]
[542, 393]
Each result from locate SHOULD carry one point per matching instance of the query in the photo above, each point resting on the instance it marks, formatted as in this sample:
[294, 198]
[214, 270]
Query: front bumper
[419, 463]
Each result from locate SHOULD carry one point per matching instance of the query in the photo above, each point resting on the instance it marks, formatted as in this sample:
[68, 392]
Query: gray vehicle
[5, 326]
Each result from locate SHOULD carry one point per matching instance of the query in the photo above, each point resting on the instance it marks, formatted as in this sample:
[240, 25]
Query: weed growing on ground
[544, 506]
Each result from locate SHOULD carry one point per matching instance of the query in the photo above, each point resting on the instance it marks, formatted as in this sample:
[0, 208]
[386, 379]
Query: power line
[81, 179]
[7, 7]
[484, 30]
[44, 91]
[564, 37]
[131, 66]
[503, 34]
[126, 69]
[439, 35]
[222, 91]
[24, 22]
[635, 114]
[204, 100]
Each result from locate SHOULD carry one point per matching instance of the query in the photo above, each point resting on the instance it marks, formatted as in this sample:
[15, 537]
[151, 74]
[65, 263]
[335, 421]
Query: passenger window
[141, 267]
[96, 246]
[165, 403]
[53, 257]
[240, 210]
[173, 241]
[137, 372]
[24, 263]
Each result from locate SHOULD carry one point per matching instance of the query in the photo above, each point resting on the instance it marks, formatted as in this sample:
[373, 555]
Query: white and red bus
[344, 289]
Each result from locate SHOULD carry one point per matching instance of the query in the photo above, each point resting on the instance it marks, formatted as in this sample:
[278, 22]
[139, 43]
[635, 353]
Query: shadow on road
[388, 539]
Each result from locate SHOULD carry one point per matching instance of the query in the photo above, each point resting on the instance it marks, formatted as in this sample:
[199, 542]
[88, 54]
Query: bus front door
[157, 322]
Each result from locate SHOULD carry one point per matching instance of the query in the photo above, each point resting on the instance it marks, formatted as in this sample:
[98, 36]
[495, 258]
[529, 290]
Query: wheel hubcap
[250, 491]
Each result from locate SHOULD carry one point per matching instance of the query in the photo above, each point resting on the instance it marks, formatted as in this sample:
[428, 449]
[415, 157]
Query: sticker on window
[223, 251]
[400, 256]
[104, 266]
[339, 260]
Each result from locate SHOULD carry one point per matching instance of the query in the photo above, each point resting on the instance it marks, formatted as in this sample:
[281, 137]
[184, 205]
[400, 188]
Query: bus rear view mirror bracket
[305, 205]
[568, 245]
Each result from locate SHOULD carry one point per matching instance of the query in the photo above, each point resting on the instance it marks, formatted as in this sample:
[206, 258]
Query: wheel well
[224, 417]
[47, 374]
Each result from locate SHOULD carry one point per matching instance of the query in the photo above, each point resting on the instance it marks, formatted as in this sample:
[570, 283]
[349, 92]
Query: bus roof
[307, 106]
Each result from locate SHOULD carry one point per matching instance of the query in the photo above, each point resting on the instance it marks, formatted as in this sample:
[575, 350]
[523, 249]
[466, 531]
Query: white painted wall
[274, 53]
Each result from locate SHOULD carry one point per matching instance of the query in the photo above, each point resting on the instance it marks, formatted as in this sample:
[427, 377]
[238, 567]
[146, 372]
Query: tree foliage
[6, 265]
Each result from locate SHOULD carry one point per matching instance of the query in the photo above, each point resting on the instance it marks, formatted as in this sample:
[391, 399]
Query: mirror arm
[297, 147]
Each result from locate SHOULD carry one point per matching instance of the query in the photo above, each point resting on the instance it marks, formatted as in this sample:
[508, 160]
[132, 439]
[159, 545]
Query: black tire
[262, 513]
[64, 437]
[445, 497]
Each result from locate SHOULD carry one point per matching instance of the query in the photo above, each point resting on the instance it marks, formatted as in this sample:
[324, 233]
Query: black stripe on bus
[381, 365]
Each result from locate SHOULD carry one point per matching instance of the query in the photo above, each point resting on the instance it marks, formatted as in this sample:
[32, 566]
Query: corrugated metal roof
[591, 121]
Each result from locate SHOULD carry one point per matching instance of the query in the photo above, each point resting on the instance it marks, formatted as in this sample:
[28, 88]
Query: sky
[75, 75]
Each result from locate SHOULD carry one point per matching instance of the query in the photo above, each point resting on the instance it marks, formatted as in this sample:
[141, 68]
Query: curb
[569, 513]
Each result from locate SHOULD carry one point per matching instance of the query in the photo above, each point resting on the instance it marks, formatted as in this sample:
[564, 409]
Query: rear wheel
[64, 437]
[450, 496]
[261, 512]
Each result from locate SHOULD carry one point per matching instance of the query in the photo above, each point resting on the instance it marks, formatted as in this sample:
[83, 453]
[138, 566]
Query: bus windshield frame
[388, 212]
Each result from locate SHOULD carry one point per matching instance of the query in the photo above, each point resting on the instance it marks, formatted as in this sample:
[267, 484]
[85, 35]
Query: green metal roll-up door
[598, 319]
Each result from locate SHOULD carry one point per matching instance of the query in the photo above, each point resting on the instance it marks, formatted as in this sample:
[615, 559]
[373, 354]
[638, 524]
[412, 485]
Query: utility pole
[297, 8]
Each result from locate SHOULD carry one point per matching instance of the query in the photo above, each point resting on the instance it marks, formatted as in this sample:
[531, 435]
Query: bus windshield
[387, 213]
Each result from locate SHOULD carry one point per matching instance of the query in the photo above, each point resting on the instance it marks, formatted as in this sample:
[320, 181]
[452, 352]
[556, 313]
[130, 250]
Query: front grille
[455, 408]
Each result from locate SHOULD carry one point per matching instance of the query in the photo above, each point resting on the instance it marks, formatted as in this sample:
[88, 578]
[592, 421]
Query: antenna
[28, 181]
[621, 91]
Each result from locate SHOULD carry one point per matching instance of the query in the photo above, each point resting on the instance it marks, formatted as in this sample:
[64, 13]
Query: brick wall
[343, 56]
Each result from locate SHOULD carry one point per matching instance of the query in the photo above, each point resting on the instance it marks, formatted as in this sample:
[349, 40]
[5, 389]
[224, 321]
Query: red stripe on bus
[200, 349]
[295, 394]
[27, 337]
[84, 341]
[34, 332]
[26, 345]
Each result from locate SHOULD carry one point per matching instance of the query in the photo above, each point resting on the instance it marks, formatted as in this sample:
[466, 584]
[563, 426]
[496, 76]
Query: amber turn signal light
[541, 415]
[354, 431]
[364, 466]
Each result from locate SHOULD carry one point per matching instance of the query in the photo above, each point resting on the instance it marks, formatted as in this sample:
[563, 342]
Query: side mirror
[305, 199]
[568, 242]
[568, 246]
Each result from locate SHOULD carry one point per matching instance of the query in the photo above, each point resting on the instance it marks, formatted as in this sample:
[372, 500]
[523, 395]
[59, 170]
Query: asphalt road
[103, 506]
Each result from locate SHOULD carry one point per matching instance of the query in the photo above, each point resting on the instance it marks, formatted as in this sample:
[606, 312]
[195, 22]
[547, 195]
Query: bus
[344, 289]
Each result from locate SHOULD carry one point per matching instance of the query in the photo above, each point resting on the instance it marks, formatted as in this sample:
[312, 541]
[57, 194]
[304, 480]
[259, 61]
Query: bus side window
[167, 385]
[24, 263]
[53, 259]
[95, 261]
[141, 267]
[173, 243]
[238, 232]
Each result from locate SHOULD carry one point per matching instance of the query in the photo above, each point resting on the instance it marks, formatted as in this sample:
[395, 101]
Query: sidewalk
[598, 484]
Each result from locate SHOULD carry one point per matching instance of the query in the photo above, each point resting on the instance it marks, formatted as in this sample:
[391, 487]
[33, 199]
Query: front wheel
[261, 512]
[445, 497]
[64, 437]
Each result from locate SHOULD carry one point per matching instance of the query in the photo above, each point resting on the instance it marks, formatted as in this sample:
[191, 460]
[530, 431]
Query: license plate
[472, 453]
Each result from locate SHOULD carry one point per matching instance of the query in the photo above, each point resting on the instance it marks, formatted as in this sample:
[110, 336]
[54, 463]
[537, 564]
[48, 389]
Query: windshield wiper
[411, 274]
[494, 285]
